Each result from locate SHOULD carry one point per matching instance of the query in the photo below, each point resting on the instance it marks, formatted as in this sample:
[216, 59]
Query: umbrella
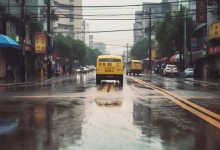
[175, 58]
[6, 41]
[7, 125]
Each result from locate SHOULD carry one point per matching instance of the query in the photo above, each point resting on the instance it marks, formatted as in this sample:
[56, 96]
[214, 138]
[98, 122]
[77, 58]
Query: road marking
[112, 88]
[105, 88]
[177, 99]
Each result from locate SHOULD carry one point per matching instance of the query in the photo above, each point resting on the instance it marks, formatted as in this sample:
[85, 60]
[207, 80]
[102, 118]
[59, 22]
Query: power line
[74, 6]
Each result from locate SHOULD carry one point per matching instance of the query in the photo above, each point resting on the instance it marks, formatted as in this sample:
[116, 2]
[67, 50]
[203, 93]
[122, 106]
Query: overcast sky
[116, 42]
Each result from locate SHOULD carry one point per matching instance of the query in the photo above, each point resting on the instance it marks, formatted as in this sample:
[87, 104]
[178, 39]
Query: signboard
[40, 42]
[193, 42]
[199, 54]
[128, 54]
[214, 50]
[201, 11]
[153, 52]
[214, 30]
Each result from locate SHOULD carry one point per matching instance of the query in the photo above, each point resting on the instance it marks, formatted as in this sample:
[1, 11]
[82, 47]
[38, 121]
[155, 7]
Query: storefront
[200, 64]
[214, 59]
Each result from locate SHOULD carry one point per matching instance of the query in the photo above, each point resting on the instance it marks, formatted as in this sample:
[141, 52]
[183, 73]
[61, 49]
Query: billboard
[201, 11]
[40, 42]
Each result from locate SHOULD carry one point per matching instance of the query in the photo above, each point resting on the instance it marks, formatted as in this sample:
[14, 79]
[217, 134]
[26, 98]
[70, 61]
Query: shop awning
[175, 58]
[6, 41]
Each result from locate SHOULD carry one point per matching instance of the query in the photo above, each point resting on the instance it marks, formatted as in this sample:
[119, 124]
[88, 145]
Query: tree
[91, 56]
[169, 33]
[140, 49]
[63, 44]
[165, 33]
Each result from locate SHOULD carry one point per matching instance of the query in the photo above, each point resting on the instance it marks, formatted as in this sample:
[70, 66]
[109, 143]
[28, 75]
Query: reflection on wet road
[75, 113]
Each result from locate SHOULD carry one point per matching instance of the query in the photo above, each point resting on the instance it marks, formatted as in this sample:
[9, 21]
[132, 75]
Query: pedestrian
[64, 68]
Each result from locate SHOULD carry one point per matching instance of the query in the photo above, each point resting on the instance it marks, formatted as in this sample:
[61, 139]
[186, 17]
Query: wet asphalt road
[145, 112]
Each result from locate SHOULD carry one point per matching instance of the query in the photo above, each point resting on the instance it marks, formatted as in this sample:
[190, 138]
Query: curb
[217, 84]
[13, 84]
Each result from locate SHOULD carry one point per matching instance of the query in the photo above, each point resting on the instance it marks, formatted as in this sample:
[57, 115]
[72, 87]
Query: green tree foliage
[63, 45]
[91, 56]
[75, 49]
[169, 33]
[140, 49]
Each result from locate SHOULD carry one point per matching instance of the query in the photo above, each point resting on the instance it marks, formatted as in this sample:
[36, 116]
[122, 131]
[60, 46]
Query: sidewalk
[29, 80]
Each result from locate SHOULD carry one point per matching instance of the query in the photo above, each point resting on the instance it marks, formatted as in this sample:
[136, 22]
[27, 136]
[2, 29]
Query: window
[71, 19]
[71, 0]
[71, 28]
[109, 60]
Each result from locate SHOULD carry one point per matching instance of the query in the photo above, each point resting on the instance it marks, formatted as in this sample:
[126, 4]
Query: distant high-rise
[101, 46]
[91, 41]
[85, 35]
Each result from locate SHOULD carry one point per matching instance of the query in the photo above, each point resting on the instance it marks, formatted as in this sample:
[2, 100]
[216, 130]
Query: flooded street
[145, 112]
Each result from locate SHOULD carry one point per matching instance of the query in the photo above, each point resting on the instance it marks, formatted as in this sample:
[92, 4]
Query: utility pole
[181, 34]
[149, 33]
[184, 51]
[23, 39]
[127, 55]
[49, 63]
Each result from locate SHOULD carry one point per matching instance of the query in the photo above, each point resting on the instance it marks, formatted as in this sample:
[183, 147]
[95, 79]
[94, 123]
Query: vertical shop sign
[153, 52]
[201, 11]
[40, 42]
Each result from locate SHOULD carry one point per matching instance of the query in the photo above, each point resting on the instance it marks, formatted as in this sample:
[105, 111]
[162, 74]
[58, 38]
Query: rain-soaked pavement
[145, 112]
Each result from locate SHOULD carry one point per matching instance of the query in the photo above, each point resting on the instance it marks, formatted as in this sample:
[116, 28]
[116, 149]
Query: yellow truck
[109, 67]
[134, 67]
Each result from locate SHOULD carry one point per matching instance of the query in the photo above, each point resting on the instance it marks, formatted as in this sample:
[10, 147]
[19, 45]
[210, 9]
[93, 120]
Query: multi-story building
[206, 53]
[91, 41]
[85, 29]
[10, 25]
[101, 46]
[142, 19]
[66, 24]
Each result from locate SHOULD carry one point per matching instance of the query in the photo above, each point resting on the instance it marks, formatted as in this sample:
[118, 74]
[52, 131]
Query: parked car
[189, 72]
[82, 70]
[170, 70]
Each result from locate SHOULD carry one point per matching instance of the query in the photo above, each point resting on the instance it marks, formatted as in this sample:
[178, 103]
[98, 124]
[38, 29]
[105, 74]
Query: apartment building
[70, 22]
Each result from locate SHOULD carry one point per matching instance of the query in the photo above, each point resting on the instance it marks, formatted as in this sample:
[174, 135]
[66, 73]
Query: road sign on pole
[193, 42]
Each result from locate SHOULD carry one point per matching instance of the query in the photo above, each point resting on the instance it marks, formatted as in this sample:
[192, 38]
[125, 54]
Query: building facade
[70, 22]
[91, 41]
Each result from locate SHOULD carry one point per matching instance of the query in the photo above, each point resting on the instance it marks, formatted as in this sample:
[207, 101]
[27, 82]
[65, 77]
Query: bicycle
[17, 72]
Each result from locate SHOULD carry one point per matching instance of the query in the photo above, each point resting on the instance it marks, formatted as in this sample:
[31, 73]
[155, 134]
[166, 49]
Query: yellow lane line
[201, 115]
[105, 88]
[112, 88]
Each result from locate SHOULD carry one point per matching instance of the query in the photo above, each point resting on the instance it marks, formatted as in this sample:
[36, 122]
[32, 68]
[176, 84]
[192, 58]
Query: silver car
[189, 72]
[170, 70]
